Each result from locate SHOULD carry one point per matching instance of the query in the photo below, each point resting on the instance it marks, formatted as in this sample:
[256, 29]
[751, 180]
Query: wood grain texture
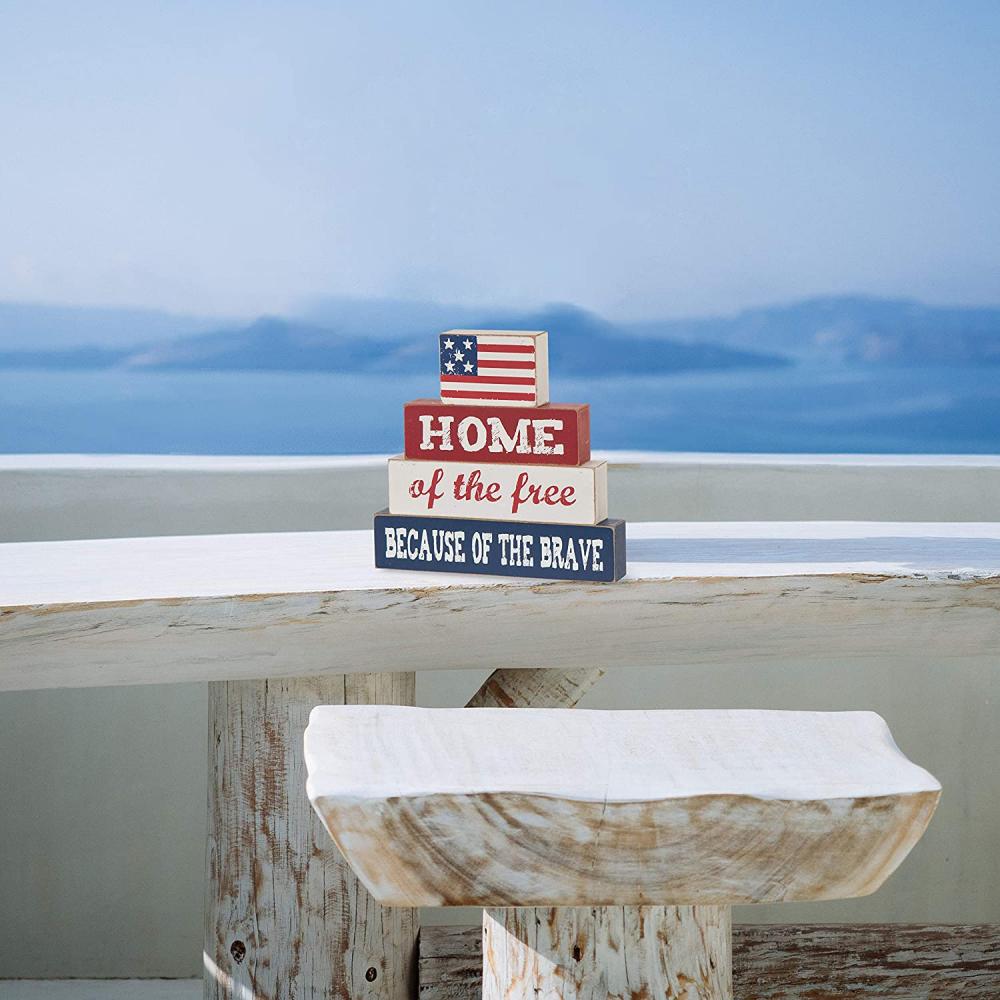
[585, 953]
[790, 962]
[438, 807]
[151, 610]
[285, 916]
[182, 567]
[535, 688]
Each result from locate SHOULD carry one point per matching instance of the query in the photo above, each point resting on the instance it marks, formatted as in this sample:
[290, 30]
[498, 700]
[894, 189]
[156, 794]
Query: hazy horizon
[637, 160]
[309, 306]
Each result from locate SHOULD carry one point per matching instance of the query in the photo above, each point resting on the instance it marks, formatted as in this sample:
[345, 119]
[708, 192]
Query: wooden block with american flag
[494, 367]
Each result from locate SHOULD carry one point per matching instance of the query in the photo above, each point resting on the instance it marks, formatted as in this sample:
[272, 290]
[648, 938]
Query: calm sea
[954, 410]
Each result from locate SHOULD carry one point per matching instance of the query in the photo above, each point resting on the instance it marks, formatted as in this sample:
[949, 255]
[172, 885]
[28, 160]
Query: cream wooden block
[546, 494]
[543, 807]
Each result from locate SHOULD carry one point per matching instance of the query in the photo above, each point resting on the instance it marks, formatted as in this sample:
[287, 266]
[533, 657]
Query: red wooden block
[553, 434]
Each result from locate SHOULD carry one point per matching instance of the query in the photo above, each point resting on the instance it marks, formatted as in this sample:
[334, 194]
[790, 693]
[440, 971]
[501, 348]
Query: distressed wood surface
[537, 688]
[285, 916]
[150, 610]
[542, 807]
[790, 962]
[585, 953]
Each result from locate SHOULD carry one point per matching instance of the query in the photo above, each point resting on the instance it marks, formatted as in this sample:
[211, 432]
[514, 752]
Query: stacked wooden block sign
[495, 478]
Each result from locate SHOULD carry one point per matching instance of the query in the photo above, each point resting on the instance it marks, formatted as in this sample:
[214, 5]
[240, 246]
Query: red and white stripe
[509, 369]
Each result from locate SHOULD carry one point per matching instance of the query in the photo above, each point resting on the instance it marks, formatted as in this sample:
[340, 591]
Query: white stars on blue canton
[459, 355]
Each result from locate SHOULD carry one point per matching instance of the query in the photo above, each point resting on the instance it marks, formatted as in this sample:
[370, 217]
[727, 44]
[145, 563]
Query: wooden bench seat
[541, 807]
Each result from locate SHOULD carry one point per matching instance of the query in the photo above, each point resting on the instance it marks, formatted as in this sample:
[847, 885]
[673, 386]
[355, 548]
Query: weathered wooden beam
[790, 962]
[579, 953]
[535, 688]
[230, 607]
[284, 915]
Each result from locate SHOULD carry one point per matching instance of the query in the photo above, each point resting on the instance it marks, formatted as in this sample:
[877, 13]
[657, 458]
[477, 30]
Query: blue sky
[636, 158]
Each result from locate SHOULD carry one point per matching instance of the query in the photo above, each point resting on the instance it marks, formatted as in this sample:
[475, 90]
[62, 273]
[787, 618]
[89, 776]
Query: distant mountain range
[581, 343]
[852, 330]
[384, 335]
[28, 326]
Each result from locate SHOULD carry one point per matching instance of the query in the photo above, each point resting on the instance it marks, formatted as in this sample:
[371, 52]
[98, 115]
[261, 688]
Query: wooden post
[285, 916]
[593, 953]
[684, 953]
[536, 687]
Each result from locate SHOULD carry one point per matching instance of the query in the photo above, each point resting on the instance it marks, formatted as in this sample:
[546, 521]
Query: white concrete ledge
[184, 463]
[113, 496]
[281, 463]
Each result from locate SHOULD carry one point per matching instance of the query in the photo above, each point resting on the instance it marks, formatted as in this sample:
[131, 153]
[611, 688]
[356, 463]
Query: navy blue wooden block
[501, 548]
